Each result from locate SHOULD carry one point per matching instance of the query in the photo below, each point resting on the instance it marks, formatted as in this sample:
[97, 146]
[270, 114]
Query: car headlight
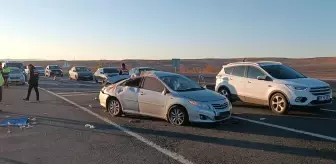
[296, 87]
[201, 105]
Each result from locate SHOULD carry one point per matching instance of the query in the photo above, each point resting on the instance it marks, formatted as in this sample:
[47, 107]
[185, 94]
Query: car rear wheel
[178, 116]
[114, 107]
[279, 104]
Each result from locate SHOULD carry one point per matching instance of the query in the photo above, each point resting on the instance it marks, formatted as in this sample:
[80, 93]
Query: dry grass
[313, 67]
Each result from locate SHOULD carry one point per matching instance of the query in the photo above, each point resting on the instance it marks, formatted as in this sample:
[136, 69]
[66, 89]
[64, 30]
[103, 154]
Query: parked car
[138, 70]
[165, 95]
[80, 73]
[40, 69]
[15, 64]
[103, 73]
[53, 70]
[273, 84]
[16, 76]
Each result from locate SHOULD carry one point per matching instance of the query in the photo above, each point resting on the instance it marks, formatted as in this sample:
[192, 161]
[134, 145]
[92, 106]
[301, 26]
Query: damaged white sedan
[165, 95]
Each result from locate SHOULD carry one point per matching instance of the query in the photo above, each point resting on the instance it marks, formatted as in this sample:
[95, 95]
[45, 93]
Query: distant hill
[321, 67]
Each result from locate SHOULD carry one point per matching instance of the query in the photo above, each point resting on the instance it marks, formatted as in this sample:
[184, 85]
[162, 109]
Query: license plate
[323, 98]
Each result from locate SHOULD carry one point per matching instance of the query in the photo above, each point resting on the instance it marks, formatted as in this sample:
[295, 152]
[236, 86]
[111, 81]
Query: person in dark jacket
[2, 81]
[123, 70]
[33, 78]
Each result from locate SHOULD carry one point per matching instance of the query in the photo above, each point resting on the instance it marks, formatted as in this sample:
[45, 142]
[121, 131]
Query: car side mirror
[261, 77]
[165, 91]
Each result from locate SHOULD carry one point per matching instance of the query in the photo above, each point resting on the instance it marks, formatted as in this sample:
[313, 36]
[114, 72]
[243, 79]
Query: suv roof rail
[234, 63]
[263, 62]
[253, 63]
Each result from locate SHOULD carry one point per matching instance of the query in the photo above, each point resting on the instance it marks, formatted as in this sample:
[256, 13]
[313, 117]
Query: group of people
[33, 77]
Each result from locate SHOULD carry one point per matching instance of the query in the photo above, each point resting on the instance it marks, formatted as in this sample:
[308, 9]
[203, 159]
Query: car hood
[307, 82]
[15, 74]
[202, 95]
[53, 70]
[111, 74]
[85, 73]
[114, 79]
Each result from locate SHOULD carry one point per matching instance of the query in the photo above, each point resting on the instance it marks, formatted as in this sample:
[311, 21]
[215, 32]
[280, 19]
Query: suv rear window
[239, 71]
[228, 70]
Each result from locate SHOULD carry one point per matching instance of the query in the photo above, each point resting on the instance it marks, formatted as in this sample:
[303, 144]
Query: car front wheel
[178, 116]
[225, 92]
[279, 104]
[114, 107]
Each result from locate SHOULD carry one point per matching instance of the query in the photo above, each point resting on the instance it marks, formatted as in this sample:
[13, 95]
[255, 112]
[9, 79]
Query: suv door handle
[248, 81]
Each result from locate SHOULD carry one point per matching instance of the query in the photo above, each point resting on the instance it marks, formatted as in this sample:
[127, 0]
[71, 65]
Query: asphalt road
[253, 135]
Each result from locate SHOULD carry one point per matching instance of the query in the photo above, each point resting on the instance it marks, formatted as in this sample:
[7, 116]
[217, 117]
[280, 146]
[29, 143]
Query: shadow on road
[4, 159]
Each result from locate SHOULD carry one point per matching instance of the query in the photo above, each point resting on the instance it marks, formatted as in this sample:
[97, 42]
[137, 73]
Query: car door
[97, 74]
[257, 90]
[46, 70]
[71, 73]
[152, 101]
[238, 80]
[128, 93]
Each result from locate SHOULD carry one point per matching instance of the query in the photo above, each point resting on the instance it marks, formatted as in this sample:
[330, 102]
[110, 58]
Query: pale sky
[165, 29]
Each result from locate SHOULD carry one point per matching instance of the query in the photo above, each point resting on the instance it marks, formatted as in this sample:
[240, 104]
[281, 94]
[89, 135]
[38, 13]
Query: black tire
[178, 115]
[224, 91]
[278, 103]
[114, 107]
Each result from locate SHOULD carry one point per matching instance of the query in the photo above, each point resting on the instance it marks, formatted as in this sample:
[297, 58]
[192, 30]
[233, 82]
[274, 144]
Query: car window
[110, 70]
[239, 71]
[54, 67]
[82, 69]
[254, 72]
[131, 71]
[228, 70]
[282, 72]
[132, 82]
[153, 84]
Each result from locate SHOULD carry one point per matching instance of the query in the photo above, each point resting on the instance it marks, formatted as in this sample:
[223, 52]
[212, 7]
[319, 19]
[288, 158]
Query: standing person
[2, 81]
[123, 70]
[33, 77]
[5, 74]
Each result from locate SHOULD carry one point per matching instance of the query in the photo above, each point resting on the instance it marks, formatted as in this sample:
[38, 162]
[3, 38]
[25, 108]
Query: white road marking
[83, 94]
[329, 110]
[66, 93]
[288, 129]
[167, 152]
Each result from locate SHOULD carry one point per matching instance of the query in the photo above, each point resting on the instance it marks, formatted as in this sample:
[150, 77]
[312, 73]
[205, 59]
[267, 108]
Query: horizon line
[16, 59]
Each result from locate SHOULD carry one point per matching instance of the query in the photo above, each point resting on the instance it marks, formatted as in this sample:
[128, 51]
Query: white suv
[273, 84]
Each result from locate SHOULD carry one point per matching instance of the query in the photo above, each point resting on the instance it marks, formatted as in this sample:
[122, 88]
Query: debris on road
[32, 119]
[134, 121]
[261, 119]
[89, 126]
[14, 122]
[90, 106]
